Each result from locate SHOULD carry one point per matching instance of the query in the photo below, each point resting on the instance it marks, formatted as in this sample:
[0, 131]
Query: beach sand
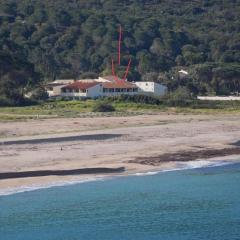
[143, 143]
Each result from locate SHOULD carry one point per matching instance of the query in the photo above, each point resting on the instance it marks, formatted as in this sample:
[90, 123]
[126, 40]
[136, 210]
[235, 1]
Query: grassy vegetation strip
[122, 106]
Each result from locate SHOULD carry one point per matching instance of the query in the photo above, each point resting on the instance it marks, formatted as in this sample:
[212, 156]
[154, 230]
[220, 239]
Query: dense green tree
[60, 38]
[16, 78]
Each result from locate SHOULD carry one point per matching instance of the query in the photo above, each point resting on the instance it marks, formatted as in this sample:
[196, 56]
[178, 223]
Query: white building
[80, 89]
[108, 86]
[54, 88]
[87, 89]
[118, 88]
[151, 88]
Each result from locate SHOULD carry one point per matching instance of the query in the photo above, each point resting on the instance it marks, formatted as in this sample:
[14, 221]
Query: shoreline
[167, 158]
[178, 166]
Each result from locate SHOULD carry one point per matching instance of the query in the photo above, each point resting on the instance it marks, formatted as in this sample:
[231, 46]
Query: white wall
[50, 93]
[219, 98]
[92, 92]
[95, 91]
[159, 89]
[56, 91]
[74, 94]
[151, 88]
[145, 87]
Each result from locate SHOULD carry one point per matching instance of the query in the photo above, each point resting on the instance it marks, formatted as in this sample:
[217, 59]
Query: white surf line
[182, 166]
[189, 165]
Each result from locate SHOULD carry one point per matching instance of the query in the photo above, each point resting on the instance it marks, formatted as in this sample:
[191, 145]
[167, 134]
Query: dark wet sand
[236, 144]
[45, 173]
[186, 156]
[92, 137]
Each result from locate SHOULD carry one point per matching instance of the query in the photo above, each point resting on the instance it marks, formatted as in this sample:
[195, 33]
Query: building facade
[103, 87]
[53, 89]
[151, 88]
[116, 89]
[79, 89]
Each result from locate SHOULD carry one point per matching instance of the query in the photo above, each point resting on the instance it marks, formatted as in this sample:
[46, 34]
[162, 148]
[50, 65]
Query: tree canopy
[59, 39]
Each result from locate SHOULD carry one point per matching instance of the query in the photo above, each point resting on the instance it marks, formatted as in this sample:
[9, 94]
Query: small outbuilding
[151, 88]
[53, 89]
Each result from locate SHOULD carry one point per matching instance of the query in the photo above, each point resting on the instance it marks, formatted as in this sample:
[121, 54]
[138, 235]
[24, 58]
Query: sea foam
[33, 187]
[188, 165]
[179, 166]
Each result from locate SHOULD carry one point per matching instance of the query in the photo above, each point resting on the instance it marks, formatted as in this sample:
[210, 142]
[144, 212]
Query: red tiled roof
[81, 85]
[118, 85]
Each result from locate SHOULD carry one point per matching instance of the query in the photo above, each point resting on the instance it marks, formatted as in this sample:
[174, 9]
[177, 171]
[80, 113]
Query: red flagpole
[127, 71]
[119, 45]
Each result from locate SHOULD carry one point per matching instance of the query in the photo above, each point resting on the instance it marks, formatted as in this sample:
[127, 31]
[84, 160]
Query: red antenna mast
[119, 45]
[119, 60]
[127, 70]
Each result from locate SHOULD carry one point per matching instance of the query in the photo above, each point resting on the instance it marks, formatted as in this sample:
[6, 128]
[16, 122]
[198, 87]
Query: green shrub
[103, 107]
[142, 99]
[39, 94]
[181, 97]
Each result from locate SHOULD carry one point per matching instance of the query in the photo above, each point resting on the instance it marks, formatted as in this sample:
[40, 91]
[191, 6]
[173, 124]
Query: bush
[39, 94]
[180, 97]
[144, 99]
[6, 102]
[103, 107]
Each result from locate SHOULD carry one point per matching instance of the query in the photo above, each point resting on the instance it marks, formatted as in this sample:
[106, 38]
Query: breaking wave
[179, 166]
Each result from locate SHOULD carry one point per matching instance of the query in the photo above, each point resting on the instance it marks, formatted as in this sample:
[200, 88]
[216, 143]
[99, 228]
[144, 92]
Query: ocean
[201, 203]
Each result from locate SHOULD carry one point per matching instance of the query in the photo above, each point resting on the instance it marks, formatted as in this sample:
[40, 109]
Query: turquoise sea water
[189, 204]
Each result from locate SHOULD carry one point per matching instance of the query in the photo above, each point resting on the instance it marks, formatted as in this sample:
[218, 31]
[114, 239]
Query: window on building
[105, 90]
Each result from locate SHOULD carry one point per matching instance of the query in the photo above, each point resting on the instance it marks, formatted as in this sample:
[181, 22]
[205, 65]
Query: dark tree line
[67, 39]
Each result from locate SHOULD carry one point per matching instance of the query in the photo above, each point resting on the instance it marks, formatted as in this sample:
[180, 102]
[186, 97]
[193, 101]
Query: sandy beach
[143, 143]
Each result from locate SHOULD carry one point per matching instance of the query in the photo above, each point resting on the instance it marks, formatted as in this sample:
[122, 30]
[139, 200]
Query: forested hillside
[65, 39]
